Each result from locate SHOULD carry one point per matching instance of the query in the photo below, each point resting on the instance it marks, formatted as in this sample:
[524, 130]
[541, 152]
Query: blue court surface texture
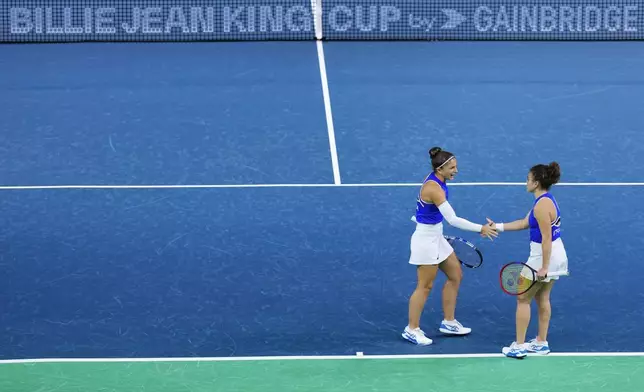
[114, 263]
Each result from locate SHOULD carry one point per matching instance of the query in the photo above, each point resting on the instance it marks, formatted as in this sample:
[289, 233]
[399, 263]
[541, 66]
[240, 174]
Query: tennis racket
[517, 278]
[465, 251]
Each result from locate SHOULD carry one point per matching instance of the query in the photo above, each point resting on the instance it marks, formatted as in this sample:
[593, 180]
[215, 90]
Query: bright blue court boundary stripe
[202, 186]
[358, 356]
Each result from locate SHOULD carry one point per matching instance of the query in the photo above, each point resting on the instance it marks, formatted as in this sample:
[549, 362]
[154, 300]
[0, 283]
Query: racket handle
[557, 273]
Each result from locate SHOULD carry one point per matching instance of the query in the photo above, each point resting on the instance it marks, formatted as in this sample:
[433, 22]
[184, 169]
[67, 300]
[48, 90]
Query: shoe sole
[416, 343]
[450, 332]
[513, 357]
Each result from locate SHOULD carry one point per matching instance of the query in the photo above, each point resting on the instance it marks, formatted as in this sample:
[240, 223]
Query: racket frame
[471, 245]
[534, 276]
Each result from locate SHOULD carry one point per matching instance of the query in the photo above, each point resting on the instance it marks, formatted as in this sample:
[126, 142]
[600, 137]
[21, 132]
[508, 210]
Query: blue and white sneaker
[416, 336]
[515, 350]
[454, 328]
[537, 347]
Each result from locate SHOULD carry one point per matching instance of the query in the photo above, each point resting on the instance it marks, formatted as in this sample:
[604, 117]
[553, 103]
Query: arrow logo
[455, 18]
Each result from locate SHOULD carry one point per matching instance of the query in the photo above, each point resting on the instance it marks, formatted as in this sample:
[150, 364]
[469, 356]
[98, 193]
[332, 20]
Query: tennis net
[244, 20]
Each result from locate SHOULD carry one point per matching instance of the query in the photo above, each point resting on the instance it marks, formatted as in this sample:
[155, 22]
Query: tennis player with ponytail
[547, 256]
[430, 251]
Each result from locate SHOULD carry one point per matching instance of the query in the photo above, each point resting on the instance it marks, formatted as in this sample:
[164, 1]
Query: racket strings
[516, 278]
[466, 254]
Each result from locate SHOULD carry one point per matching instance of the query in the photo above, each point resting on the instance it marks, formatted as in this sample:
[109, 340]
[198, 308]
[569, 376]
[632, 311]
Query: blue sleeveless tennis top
[535, 233]
[428, 213]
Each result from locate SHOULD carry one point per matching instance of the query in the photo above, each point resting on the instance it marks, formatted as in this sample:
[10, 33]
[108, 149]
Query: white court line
[329, 115]
[320, 357]
[217, 186]
[316, 10]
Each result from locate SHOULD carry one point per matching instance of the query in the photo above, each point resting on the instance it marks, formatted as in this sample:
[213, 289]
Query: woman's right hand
[488, 231]
[491, 223]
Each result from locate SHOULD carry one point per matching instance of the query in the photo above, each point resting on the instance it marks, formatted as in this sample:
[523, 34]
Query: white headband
[443, 164]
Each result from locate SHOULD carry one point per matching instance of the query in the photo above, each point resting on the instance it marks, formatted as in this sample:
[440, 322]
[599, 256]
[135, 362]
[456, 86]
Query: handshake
[490, 230]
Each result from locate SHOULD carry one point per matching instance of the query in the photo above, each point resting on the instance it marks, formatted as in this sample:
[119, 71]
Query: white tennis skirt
[558, 258]
[428, 246]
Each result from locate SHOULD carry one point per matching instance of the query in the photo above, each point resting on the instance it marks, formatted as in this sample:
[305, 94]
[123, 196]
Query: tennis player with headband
[547, 255]
[430, 251]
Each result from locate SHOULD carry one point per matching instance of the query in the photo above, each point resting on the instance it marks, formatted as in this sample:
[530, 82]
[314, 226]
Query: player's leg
[542, 298]
[426, 275]
[452, 269]
[523, 312]
[518, 348]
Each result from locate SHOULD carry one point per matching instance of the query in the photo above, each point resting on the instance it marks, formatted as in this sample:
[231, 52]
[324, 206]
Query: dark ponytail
[546, 175]
[439, 157]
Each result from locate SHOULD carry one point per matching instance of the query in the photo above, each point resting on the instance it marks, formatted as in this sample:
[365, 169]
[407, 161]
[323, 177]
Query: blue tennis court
[178, 199]
[303, 270]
